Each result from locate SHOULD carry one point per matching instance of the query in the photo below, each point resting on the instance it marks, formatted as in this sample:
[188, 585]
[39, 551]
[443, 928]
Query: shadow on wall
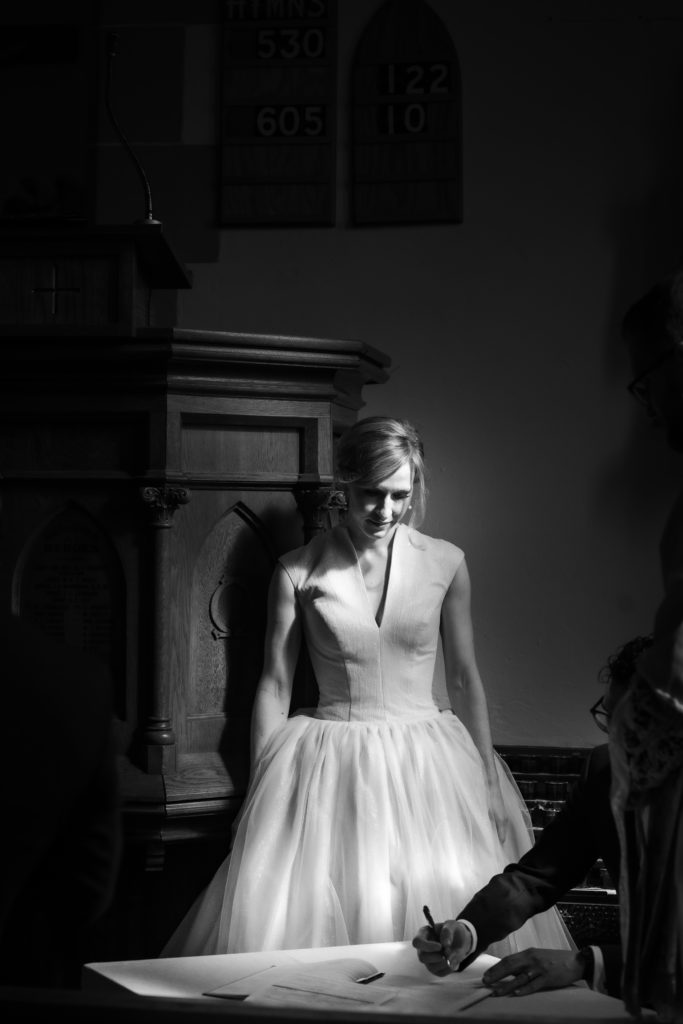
[644, 475]
[639, 485]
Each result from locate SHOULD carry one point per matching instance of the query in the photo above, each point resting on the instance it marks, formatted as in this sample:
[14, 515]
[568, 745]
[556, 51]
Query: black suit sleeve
[560, 859]
[613, 963]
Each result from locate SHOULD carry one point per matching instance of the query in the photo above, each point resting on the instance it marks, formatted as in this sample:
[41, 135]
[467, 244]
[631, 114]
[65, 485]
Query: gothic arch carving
[228, 610]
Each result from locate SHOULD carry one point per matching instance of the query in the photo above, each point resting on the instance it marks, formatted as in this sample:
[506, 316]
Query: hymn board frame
[278, 113]
[406, 120]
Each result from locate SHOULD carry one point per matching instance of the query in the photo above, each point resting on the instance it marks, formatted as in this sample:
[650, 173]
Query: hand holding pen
[441, 947]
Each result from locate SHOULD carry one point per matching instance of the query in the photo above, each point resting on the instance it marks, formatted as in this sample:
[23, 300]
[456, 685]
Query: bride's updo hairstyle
[374, 448]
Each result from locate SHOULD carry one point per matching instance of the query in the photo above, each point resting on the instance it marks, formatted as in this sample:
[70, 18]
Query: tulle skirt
[348, 829]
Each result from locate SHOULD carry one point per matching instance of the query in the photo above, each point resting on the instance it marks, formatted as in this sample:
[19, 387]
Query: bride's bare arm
[283, 639]
[463, 682]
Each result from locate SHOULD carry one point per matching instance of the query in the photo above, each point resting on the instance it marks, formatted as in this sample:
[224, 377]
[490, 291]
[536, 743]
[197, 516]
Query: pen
[427, 913]
[370, 977]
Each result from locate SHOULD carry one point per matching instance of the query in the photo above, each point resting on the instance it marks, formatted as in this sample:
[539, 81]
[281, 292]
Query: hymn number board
[278, 112]
[406, 119]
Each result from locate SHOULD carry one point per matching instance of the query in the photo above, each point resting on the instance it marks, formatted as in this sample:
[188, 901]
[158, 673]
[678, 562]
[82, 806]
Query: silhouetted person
[646, 734]
[60, 849]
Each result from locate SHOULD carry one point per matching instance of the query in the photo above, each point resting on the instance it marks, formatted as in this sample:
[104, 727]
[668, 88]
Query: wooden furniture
[77, 279]
[150, 478]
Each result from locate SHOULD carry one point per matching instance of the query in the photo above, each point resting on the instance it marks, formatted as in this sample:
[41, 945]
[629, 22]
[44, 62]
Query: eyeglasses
[600, 714]
[638, 387]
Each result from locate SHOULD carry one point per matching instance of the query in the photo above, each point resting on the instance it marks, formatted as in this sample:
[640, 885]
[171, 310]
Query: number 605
[290, 120]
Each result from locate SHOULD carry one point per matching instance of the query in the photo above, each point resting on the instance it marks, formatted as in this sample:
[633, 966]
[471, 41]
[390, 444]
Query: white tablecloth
[193, 977]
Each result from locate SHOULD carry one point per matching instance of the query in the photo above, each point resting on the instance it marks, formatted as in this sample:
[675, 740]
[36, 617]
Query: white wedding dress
[373, 804]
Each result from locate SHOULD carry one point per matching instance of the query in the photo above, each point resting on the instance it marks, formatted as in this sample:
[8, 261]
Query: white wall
[503, 331]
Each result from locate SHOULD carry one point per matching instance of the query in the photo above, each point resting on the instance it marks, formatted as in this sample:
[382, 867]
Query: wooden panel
[206, 733]
[218, 638]
[229, 590]
[83, 278]
[58, 291]
[57, 442]
[231, 450]
[278, 113]
[224, 546]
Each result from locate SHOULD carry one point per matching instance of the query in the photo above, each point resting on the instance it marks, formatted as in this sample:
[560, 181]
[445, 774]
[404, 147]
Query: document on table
[443, 997]
[336, 984]
[321, 978]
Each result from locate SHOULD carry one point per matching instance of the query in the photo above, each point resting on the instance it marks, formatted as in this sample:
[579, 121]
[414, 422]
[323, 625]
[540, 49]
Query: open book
[350, 983]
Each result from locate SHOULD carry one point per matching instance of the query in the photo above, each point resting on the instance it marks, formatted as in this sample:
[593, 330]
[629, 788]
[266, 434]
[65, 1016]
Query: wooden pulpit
[151, 476]
[82, 279]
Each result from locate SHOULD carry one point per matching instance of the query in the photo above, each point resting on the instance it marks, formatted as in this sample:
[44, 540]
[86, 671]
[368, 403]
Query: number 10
[409, 117]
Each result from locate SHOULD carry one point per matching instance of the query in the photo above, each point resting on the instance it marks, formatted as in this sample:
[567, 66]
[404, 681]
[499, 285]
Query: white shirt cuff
[599, 971]
[473, 935]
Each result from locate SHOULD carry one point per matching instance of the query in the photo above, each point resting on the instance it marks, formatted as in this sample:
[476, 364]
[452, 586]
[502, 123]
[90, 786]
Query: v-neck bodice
[365, 670]
[377, 614]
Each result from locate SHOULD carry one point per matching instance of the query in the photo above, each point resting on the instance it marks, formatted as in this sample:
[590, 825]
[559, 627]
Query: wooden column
[158, 737]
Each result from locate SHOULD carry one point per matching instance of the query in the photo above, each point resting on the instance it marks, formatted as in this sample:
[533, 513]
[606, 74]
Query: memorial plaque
[406, 119]
[71, 587]
[278, 112]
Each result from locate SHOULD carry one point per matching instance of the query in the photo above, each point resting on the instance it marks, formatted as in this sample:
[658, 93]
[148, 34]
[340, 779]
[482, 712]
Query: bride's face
[375, 510]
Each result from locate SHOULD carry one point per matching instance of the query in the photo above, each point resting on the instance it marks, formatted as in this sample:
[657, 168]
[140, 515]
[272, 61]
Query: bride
[360, 812]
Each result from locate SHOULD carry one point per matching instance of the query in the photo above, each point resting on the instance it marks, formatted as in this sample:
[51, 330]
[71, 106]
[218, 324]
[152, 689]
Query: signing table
[314, 980]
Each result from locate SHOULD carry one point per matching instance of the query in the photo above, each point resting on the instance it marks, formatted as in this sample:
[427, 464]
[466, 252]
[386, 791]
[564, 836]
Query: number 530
[290, 43]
